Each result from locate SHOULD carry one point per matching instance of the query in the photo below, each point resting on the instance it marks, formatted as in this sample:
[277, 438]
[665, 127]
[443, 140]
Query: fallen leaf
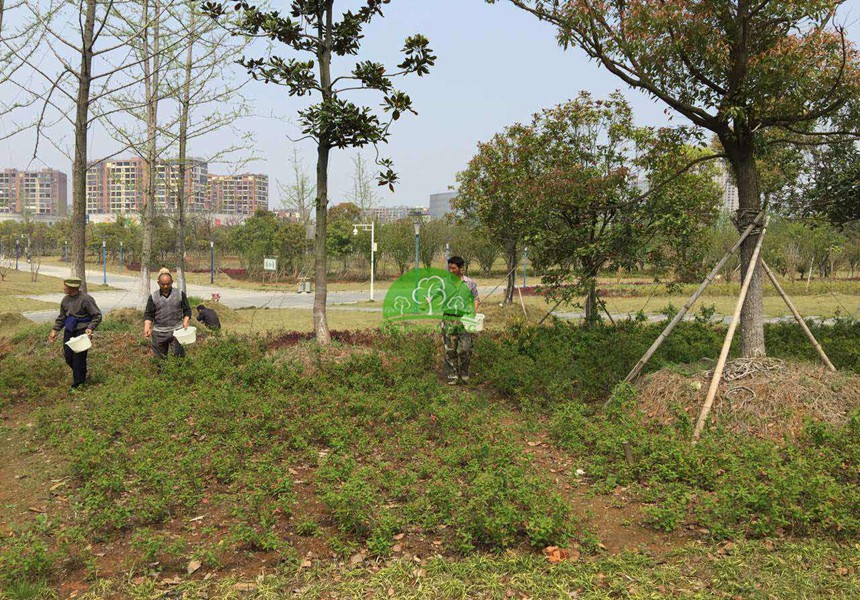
[356, 559]
[306, 564]
[533, 444]
[399, 536]
[193, 519]
[139, 580]
[193, 566]
[173, 581]
[37, 509]
[390, 592]
[244, 586]
[554, 554]
[397, 548]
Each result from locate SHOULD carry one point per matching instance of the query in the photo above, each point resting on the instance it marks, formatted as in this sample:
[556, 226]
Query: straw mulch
[765, 398]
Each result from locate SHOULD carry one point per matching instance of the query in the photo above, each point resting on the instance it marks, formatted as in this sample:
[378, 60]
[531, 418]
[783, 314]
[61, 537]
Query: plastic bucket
[473, 324]
[186, 336]
[80, 343]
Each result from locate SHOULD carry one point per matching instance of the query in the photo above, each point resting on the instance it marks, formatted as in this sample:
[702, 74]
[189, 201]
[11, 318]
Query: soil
[767, 398]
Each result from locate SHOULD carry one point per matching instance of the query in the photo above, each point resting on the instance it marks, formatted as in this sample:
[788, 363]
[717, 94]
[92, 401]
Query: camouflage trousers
[458, 349]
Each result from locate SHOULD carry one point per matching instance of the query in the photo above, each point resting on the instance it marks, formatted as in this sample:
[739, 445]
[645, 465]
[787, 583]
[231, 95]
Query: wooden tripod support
[727, 343]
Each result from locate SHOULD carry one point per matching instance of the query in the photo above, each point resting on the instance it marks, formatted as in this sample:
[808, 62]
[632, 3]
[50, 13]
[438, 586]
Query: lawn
[263, 466]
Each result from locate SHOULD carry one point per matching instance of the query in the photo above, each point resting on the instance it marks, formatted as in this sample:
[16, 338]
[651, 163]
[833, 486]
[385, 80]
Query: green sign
[428, 294]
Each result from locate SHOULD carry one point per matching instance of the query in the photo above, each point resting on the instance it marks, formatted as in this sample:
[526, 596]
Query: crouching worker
[79, 315]
[455, 339]
[167, 310]
[208, 317]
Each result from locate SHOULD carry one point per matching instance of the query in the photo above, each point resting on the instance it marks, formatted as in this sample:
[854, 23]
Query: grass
[754, 570]
[261, 454]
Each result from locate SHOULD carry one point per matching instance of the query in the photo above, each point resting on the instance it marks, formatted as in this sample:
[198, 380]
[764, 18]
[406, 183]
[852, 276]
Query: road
[125, 295]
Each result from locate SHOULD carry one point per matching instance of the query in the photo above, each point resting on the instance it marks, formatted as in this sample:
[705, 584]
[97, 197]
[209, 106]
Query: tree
[495, 191]
[362, 194]
[737, 69]
[298, 194]
[397, 242]
[606, 190]
[312, 33]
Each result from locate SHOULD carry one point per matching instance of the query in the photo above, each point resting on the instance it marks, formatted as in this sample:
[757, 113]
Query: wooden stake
[727, 344]
[523, 304]
[797, 317]
[708, 280]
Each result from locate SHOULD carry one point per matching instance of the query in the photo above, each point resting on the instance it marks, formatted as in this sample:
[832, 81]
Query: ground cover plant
[355, 470]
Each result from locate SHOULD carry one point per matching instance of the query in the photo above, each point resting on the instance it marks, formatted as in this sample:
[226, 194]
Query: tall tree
[496, 192]
[736, 68]
[93, 64]
[313, 34]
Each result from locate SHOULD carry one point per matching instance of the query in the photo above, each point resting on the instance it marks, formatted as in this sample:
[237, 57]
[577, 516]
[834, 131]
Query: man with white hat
[166, 310]
[79, 315]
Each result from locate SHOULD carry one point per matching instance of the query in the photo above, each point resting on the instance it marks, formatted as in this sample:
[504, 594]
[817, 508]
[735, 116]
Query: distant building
[34, 192]
[440, 204]
[730, 190]
[238, 194]
[116, 186]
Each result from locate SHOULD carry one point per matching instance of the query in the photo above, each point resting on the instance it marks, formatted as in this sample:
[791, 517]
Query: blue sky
[496, 66]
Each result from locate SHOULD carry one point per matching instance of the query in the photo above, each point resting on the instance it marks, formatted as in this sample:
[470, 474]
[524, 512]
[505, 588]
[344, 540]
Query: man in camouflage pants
[458, 341]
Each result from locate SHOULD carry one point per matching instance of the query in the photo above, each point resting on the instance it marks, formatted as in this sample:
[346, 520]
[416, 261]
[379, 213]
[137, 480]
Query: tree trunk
[323, 149]
[79, 165]
[511, 261]
[321, 255]
[592, 310]
[151, 91]
[185, 108]
[742, 158]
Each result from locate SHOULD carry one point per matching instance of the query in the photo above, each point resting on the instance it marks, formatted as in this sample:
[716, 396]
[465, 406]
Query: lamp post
[372, 227]
[17, 252]
[66, 251]
[447, 252]
[121, 256]
[104, 262]
[211, 261]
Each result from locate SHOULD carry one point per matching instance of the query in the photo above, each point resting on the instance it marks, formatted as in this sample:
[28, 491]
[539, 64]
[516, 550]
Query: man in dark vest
[79, 315]
[166, 311]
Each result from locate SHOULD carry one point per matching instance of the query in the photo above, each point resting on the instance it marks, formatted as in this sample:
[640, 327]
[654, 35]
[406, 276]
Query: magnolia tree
[737, 69]
[316, 35]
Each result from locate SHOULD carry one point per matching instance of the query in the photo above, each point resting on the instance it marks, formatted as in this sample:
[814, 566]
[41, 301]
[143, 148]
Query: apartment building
[116, 186]
[35, 192]
[241, 194]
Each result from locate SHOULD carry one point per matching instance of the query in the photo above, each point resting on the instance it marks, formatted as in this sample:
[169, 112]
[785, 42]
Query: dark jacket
[81, 311]
[209, 317]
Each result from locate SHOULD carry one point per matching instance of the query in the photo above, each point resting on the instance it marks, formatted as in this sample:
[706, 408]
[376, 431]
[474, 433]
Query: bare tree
[363, 193]
[298, 194]
[102, 61]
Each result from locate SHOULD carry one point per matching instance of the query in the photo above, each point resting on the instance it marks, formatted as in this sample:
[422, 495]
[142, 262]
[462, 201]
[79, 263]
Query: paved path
[125, 295]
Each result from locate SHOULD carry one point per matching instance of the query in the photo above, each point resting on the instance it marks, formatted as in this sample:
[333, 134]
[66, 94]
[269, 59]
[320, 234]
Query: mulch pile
[766, 398]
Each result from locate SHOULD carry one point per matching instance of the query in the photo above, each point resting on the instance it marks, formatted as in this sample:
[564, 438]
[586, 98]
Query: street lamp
[17, 251]
[525, 263]
[372, 227]
[417, 249]
[104, 262]
[211, 261]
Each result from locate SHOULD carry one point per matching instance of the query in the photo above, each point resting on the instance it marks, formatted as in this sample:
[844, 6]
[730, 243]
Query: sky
[495, 66]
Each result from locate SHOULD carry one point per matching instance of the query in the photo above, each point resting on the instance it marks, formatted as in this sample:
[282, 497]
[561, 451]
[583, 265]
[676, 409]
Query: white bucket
[80, 343]
[186, 336]
[473, 324]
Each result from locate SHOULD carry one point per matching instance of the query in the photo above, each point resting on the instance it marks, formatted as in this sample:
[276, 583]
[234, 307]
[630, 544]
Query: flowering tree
[735, 67]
